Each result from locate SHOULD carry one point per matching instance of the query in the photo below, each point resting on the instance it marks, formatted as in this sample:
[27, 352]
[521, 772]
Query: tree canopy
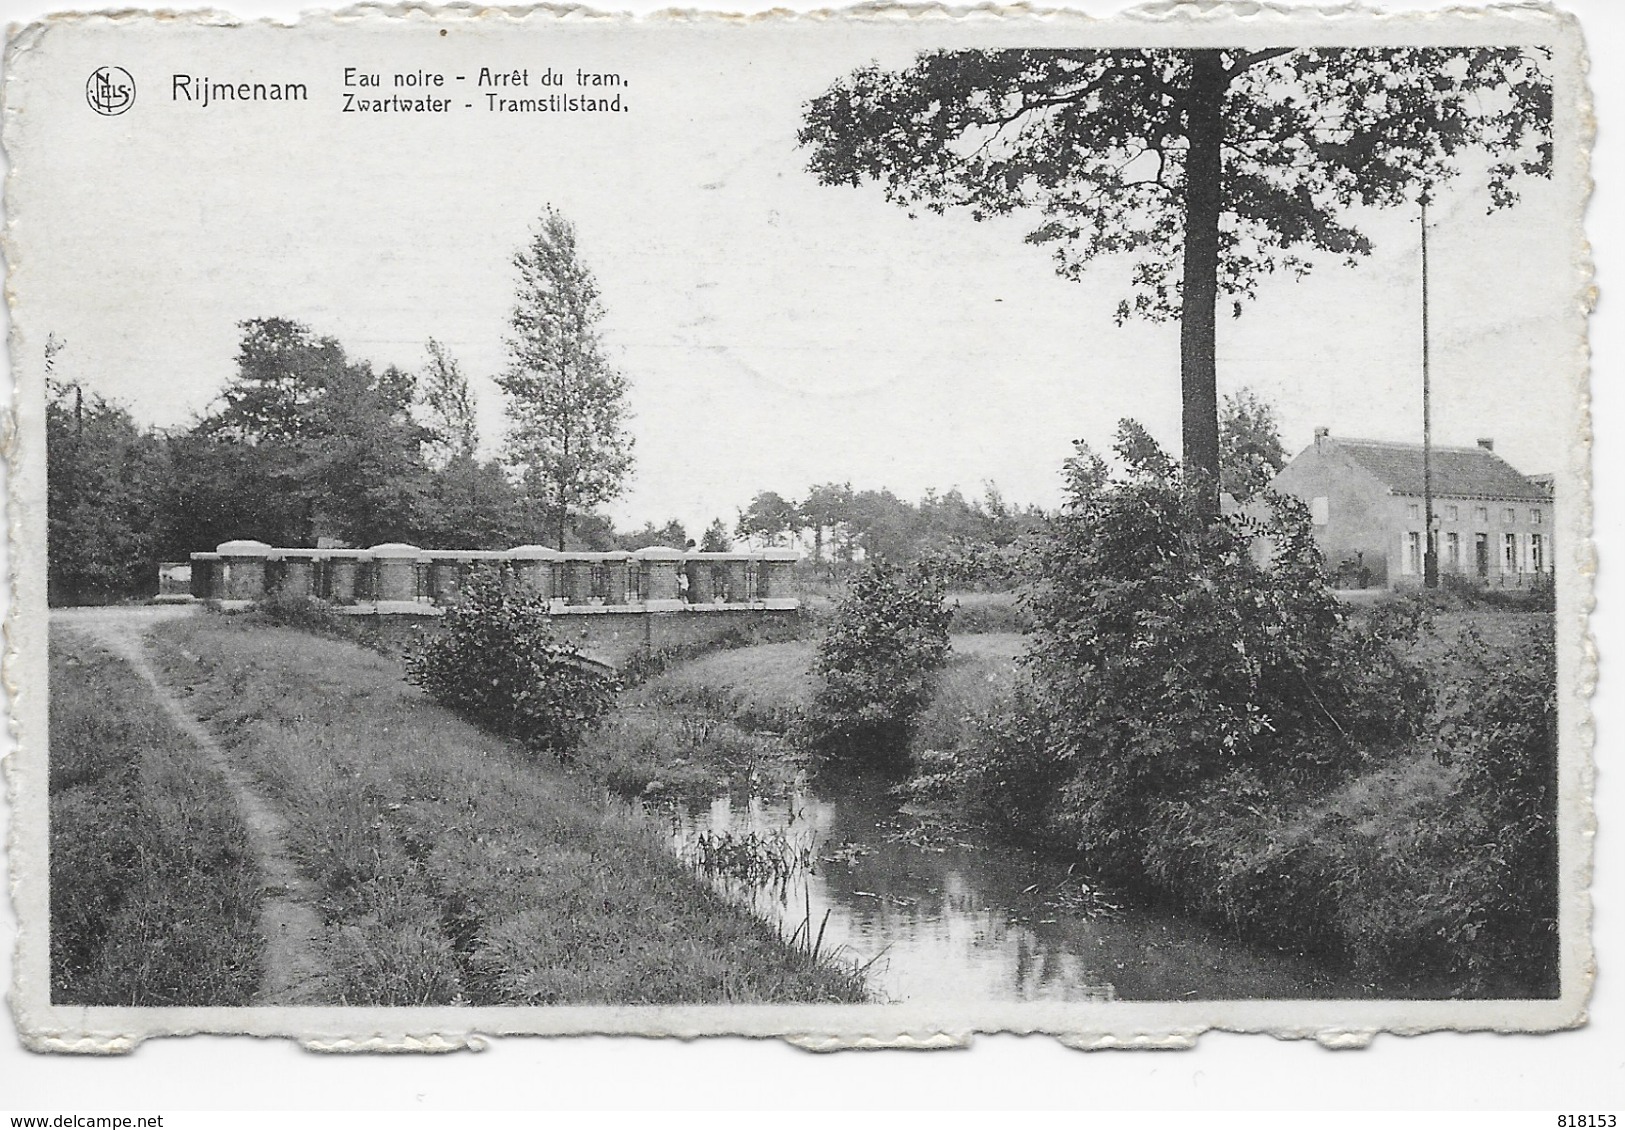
[446, 404]
[327, 445]
[101, 469]
[769, 517]
[716, 539]
[1208, 168]
[1250, 448]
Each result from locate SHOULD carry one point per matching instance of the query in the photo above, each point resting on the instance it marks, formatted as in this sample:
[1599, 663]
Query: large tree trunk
[1204, 170]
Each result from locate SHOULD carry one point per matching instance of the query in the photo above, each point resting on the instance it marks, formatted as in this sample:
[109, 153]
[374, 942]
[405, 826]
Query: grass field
[724, 720]
[766, 687]
[452, 866]
[154, 895]
[980, 675]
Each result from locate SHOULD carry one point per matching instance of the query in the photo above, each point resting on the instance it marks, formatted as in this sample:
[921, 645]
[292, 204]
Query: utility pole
[1430, 549]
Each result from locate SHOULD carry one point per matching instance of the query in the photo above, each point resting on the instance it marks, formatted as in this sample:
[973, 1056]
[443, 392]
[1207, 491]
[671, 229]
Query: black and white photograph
[864, 530]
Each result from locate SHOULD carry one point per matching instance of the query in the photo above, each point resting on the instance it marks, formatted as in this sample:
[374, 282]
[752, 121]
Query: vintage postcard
[863, 528]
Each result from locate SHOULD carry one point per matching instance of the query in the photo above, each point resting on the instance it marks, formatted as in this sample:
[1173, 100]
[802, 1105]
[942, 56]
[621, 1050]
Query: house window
[1413, 511]
[1413, 553]
[1509, 554]
[1452, 552]
[1453, 513]
[1481, 554]
[1534, 517]
[1481, 513]
[1537, 554]
[1319, 510]
[1509, 516]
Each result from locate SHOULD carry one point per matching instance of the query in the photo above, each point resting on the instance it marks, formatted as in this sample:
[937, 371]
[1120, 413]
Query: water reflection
[946, 920]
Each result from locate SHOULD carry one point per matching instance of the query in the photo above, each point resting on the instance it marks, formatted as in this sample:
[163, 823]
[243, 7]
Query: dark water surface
[943, 918]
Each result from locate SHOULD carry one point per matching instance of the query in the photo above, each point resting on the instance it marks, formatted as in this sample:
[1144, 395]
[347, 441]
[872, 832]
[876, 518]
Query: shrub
[998, 773]
[1164, 656]
[878, 659]
[976, 566]
[496, 662]
[1498, 730]
[303, 614]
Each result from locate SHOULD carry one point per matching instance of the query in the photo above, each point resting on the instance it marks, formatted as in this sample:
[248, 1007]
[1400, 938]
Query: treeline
[973, 543]
[975, 540]
[308, 446]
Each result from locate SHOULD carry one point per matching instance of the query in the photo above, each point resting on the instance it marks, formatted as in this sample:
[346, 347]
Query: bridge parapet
[400, 578]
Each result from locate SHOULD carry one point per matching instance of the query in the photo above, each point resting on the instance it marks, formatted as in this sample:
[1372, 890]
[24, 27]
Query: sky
[776, 333]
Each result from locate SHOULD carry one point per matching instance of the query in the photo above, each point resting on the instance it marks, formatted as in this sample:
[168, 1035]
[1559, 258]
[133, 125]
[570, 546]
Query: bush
[1498, 730]
[1464, 592]
[302, 614]
[496, 662]
[878, 659]
[1164, 656]
[999, 773]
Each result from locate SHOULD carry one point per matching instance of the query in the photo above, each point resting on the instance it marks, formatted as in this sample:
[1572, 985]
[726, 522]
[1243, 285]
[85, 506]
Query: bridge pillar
[533, 570]
[775, 587]
[344, 573]
[701, 581]
[204, 568]
[395, 576]
[660, 565]
[620, 578]
[241, 572]
[445, 580]
[296, 579]
[738, 580]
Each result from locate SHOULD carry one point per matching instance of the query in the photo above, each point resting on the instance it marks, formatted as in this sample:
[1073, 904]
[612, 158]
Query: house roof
[1461, 472]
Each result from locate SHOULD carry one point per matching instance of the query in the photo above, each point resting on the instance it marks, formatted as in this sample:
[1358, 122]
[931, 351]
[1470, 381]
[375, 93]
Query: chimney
[1321, 434]
[1486, 443]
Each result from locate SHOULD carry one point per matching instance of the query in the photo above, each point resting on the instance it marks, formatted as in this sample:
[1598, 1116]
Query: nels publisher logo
[110, 90]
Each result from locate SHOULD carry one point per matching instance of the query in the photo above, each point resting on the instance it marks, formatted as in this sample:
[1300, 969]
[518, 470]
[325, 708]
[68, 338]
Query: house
[1365, 498]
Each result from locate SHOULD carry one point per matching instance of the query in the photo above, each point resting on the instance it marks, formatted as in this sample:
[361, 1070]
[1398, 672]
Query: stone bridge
[612, 606]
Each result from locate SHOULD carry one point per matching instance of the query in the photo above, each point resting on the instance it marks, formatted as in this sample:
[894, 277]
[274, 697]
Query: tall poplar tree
[566, 404]
[1208, 167]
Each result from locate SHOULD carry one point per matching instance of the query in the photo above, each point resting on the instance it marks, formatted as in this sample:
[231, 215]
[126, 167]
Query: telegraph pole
[1430, 549]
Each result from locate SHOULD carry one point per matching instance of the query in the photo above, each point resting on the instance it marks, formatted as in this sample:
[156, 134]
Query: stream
[937, 916]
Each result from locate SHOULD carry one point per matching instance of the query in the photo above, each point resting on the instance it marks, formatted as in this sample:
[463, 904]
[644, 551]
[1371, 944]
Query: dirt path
[294, 973]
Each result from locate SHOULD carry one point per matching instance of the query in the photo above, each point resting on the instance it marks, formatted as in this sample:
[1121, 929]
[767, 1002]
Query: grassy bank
[154, 896]
[726, 719]
[719, 721]
[454, 867]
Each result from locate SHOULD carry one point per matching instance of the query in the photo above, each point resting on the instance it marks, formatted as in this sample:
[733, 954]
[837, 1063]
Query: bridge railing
[403, 578]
